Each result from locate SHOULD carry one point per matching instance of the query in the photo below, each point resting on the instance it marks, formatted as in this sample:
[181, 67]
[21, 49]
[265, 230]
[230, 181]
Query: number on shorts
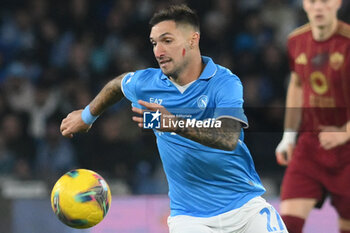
[268, 216]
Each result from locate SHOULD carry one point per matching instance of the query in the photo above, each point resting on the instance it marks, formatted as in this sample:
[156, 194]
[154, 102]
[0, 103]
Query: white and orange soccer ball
[81, 198]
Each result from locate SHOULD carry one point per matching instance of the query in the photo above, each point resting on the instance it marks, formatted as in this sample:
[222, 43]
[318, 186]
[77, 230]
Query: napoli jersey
[203, 181]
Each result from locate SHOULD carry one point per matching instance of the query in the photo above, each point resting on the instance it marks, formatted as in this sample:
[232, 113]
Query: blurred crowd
[56, 55]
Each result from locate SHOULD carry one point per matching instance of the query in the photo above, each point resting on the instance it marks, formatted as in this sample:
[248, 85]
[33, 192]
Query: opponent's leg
[295, 211]
[295, 224]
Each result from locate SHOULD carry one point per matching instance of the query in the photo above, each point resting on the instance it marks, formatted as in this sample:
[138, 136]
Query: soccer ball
[81, 198]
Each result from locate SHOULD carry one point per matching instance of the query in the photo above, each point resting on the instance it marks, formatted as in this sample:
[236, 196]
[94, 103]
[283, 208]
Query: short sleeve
[129, 86]
[290, 49]
[229, 100]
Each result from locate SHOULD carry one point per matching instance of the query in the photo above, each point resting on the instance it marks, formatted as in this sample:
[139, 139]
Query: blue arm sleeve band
[87, 117]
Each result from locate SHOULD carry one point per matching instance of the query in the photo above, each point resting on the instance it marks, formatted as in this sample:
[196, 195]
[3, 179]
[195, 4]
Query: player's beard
[176, 71]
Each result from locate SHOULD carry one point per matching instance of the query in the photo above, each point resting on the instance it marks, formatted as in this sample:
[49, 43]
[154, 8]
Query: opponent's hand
[154, 108]
[73, 124]
[331, 137]
[284, 150]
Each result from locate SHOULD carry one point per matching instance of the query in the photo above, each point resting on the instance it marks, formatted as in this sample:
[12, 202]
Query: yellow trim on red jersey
[344, 29]
[300, 30]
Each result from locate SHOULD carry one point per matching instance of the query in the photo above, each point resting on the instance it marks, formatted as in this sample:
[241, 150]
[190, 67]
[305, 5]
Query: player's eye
[168, 41]
[153, 43]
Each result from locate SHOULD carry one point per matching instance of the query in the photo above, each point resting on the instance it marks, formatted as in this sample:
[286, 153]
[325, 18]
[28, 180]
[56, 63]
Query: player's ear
[340, 2]
[195, 39]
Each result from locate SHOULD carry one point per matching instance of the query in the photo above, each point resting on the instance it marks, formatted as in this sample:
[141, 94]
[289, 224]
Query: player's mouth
[319, 17]
[164, 62]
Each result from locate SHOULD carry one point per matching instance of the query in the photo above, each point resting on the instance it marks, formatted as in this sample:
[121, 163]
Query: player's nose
[159, 50]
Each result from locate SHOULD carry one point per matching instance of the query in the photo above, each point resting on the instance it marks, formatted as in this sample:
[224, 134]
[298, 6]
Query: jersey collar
[208, 72]
[209, 69]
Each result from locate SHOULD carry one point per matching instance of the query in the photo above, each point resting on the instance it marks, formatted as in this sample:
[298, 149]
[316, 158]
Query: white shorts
[256, 216]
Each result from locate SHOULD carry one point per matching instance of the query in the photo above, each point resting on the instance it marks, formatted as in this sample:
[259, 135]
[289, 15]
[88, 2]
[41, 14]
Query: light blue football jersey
[203, 181]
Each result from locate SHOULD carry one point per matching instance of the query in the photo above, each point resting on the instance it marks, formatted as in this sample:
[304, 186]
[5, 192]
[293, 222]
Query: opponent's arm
[110, 94]
[224, 138]
[292, 120]
[333, 136]
[294, 102]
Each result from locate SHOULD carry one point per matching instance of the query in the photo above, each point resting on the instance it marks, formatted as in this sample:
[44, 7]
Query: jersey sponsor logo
[155, 100]
[336, 60]
[320, 59]
[151, 120]
[202, 101]
[319, 82]
[301, 59]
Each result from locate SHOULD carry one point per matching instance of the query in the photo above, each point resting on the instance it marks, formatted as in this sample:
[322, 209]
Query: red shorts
[316, 173]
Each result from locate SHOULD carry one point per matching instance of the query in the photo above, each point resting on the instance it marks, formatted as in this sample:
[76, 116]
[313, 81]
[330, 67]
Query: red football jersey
[323, 68]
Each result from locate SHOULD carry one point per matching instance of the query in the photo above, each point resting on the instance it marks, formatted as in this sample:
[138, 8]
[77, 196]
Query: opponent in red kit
[318, 111]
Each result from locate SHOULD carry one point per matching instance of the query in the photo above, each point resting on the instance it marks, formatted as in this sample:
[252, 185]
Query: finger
[140, 125]
[327, 145]
[150, 106]
[137, 119]
[280, 159]
[322, 139]
[67, 134]
[144, 103]
[320, 136]
[63, 126]
[137, 110]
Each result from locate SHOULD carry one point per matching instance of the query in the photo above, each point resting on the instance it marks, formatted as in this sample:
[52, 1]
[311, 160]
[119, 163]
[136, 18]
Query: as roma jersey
[323, 68]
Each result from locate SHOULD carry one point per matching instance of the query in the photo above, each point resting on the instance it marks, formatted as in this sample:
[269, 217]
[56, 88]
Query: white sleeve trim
[245, 124]
[123, 82]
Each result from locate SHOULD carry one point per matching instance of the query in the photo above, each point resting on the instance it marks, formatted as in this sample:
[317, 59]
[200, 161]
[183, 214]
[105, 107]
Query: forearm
[294, 104]
[346, 128]
[109, 95]
[224, 138]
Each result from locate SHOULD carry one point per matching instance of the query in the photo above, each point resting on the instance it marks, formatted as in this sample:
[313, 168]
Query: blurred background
[56, 55]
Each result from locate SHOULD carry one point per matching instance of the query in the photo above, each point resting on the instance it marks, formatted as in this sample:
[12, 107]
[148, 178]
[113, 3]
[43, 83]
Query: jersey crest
[336, 60]
[202, 101]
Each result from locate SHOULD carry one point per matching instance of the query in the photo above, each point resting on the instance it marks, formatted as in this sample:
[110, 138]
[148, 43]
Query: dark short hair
[179, 13]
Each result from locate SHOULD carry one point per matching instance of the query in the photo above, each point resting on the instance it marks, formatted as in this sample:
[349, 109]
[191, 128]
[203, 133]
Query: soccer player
[318, 107]
[213, 185]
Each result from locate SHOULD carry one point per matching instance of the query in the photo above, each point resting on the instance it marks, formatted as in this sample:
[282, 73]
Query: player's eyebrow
[162, 35]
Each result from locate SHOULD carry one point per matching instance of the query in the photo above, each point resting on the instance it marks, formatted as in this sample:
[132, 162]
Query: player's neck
[324, 33]
[191, 72]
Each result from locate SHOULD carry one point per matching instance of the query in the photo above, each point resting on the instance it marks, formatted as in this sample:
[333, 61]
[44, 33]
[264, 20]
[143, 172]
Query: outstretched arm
[110, 94]
[224, 137]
